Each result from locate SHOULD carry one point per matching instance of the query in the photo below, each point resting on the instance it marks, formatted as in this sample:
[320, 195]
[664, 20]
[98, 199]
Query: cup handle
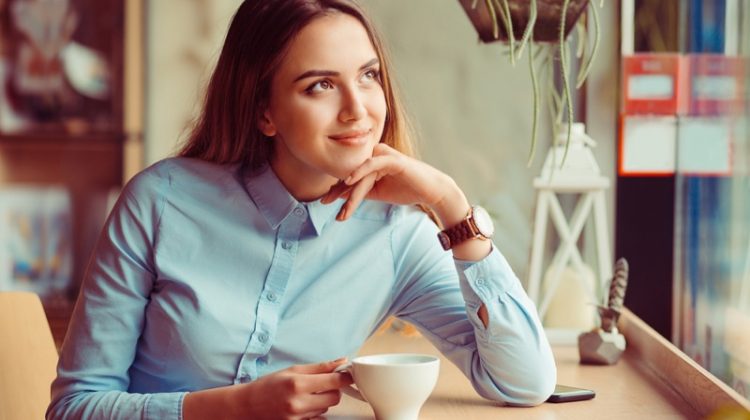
[348, 389]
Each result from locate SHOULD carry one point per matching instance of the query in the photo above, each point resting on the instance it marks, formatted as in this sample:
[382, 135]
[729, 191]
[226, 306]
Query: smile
[352, 138]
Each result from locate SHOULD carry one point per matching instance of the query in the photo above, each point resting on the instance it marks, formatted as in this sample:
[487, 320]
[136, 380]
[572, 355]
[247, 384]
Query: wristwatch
[477, 224]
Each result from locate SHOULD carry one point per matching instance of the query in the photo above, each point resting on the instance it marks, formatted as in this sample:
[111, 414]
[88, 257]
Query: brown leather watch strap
[461, 232]
[457, 234]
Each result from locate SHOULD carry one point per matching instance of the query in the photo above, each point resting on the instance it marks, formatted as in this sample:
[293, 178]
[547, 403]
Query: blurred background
[93, 91]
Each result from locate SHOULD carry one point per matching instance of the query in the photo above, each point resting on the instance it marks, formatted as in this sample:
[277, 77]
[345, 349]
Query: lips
[352, 137]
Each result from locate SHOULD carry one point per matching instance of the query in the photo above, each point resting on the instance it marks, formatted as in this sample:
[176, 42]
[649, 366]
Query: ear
[266, 126]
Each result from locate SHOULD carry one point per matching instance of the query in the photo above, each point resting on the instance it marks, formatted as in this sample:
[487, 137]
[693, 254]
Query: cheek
[379, 110]
[300, 120]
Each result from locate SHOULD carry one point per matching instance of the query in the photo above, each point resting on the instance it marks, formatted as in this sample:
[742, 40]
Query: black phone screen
[564, 393]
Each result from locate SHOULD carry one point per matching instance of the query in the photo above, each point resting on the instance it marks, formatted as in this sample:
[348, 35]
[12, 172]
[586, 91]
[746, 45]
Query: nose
[353, 106]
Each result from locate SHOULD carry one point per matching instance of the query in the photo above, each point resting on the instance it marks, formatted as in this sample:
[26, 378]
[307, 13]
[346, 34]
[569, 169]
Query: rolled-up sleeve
[100, 346]
[510, 360]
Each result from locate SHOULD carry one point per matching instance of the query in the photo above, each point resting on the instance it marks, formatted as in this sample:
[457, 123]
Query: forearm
[451, 210]
[116, 405]
[513, 359]
[215, 403]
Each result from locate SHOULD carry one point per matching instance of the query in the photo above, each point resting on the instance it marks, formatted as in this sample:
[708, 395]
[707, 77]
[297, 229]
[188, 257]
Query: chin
[344, 166]
[341, 173]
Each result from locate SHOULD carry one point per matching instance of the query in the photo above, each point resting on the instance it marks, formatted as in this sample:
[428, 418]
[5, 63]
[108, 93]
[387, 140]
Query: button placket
[275, 284]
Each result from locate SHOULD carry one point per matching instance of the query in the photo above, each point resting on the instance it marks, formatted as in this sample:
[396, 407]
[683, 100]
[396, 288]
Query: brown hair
[227, 131]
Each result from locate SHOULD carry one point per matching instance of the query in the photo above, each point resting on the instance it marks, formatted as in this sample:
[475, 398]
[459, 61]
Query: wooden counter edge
[700, 388]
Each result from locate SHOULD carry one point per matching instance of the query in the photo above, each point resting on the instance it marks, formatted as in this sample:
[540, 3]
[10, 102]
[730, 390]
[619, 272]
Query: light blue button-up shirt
[204, 277]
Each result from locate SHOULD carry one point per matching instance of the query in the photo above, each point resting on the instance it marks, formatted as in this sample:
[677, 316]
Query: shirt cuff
[166, 405]
[462, 265]
[486, 279]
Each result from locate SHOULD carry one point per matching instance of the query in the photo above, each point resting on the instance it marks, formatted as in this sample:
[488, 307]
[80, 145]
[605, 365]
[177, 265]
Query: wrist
[232, 400]
[452, 210]
[453, 206]
[219, 403]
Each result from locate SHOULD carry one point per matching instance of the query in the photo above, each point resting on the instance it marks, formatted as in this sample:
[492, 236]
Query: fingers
[357, 194]
[314, 415]
[323, 367]
[324, 382]
[318, 403]
[336, 191]
[385, 164]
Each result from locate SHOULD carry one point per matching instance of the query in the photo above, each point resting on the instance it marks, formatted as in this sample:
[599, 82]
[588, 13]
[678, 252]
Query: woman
[283, 236]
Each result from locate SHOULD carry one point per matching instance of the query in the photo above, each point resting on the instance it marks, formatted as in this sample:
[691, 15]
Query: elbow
[54, 411]
[59, 408]
[536, 388]
[533, 394]
[528, 394]
[64, 406]
[529, 388]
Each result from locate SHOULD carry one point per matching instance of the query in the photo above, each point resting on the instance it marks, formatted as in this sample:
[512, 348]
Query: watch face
[483, 221]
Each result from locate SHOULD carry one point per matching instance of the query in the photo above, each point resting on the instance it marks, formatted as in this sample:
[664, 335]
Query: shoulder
[180, 173]
[400, 218]
[413, 218]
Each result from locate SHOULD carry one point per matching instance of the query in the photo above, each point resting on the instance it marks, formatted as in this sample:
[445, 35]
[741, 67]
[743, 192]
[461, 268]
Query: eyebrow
[318, 73]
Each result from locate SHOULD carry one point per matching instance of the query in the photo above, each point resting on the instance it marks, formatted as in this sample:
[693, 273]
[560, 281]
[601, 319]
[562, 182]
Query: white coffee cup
[395, 385]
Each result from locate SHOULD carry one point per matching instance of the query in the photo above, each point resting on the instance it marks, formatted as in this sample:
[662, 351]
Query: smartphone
[565, 393]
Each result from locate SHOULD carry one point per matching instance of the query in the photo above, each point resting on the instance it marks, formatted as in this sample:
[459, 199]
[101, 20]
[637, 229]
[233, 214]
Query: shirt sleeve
[510, 360]
[100, 346]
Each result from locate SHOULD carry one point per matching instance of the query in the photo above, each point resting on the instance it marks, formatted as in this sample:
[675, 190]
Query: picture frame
[61, 67]
[36, 249]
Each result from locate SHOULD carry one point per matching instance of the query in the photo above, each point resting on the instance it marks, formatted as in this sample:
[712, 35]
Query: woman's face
[327, 108]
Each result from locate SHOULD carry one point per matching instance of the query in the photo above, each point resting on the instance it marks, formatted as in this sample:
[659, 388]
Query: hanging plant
[523, 23]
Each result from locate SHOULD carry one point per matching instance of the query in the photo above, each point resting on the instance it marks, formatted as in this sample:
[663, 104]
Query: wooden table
[652, 380]
[623, 391]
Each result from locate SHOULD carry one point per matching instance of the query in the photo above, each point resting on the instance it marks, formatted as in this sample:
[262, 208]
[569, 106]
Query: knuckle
[295, 406]
[290, 406]
[292, 368]
[292, 385]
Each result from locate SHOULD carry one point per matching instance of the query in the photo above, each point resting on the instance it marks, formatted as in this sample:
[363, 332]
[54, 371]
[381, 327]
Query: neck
[305, 187]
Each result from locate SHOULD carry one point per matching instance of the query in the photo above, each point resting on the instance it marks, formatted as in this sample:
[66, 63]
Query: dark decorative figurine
[604, 345]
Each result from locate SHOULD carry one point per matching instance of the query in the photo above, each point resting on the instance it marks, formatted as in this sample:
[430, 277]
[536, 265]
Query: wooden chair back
[28, 357]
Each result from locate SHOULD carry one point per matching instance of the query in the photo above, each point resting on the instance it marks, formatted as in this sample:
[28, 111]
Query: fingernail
[339, 360]
[348, 180]
[342, 215]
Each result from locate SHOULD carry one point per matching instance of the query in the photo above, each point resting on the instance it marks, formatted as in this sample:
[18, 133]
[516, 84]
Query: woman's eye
[371, 75]
[320, 86]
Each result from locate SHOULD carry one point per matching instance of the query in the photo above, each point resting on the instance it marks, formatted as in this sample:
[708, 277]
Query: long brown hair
[261, 31]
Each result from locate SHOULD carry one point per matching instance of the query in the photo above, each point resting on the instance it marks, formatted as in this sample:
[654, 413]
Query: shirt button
[271, 296]
[263, 337]
[299, 212]
[245, 378]
[286, 245]
[480, 282]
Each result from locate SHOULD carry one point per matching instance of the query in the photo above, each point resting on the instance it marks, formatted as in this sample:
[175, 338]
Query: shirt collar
[321, 214]
[275, 203]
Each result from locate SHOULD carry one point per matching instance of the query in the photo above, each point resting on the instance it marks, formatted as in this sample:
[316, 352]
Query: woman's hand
[298, 392]
[393, 177]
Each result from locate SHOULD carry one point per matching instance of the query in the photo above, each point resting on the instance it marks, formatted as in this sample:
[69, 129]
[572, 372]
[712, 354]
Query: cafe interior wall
[471, 108]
